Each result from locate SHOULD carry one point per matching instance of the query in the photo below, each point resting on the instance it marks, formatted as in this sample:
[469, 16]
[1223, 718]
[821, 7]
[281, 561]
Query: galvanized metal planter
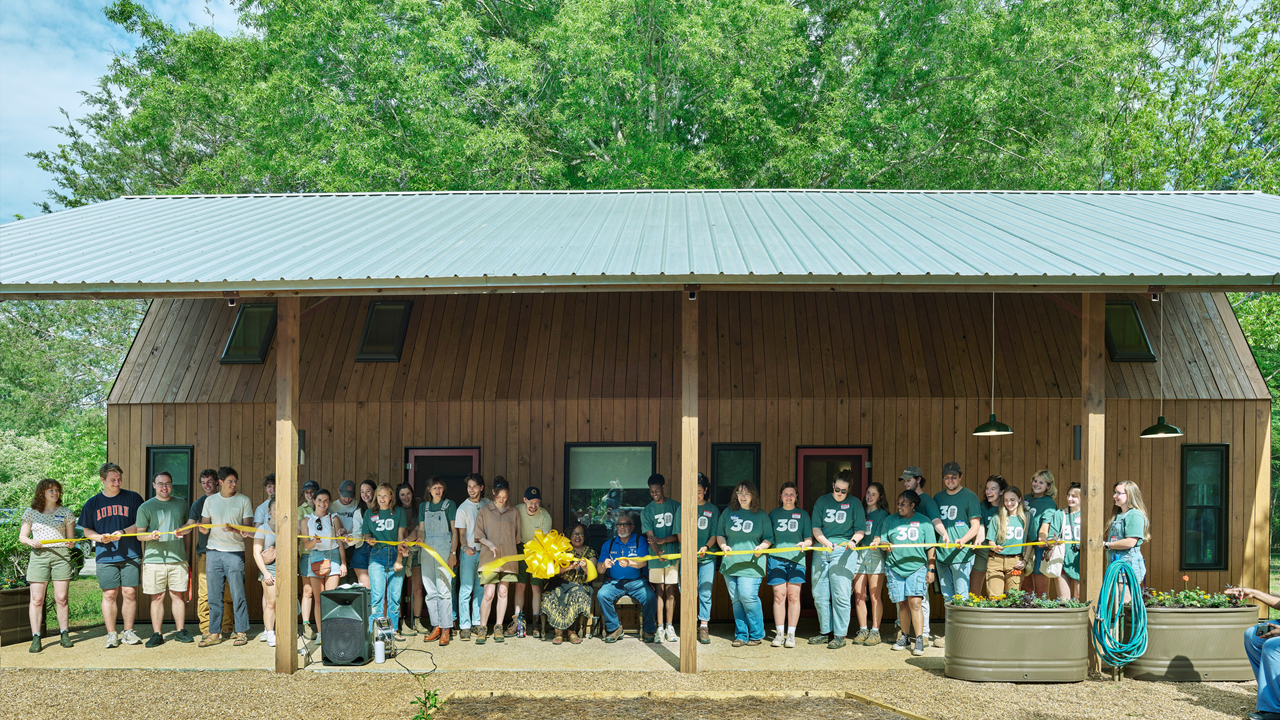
[1195, 645]
[1010, 645]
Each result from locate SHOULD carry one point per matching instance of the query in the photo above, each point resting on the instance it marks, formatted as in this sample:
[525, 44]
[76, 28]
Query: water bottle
[379, 652]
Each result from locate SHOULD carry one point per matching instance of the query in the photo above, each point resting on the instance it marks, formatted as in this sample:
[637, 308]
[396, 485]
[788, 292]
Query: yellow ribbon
[546, 556]
[247, 529]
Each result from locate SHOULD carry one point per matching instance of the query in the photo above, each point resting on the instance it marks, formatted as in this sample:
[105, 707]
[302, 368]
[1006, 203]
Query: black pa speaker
[345, 626]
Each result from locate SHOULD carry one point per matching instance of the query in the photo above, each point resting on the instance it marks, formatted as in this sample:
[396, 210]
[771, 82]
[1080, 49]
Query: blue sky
[49, 52]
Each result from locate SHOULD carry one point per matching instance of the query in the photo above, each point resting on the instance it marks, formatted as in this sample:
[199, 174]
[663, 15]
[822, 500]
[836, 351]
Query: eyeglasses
[839, 491]
[626, 525]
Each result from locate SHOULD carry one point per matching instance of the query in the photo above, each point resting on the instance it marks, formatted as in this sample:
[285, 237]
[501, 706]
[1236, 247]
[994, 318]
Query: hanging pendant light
[993, 426]
[1161, 429]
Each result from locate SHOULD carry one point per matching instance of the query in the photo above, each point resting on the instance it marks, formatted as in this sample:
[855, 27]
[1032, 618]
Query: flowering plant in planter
[1016, 599]
[1189, 598]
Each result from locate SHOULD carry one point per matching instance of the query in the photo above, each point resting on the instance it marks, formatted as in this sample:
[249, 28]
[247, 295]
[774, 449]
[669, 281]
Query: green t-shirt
[1129, 524]
[874, 523]
[163, 516]
[708, 520]
[446, 505]
[955, 512]
[1070, 529]
[928, 507]
[790, 527]
[896, 530]
[838, 520]
[1039, 511]
[661, 519]
[1015, 534]
[744, 530]
[384, 524]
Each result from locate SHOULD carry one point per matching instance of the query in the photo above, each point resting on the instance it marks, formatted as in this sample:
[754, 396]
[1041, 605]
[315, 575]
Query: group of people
[380, 536]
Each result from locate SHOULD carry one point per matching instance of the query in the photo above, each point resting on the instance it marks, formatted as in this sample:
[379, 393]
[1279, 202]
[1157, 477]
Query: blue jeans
[833, 589]
[470, 591]
[1264, 656]
[226, 570]
[706, 579]
[385, 586]
[748, 616]
[954, 578]
[638, 590]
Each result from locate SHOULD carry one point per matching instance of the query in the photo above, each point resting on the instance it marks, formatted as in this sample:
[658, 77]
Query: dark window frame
[713, 476]
[192, 480]
[1224, 493]
[1118, 355]
[566, 508]
[264, 346]
[362, 355]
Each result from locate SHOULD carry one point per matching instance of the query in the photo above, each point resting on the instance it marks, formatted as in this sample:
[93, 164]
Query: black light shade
[995, 427]
[1162, 429]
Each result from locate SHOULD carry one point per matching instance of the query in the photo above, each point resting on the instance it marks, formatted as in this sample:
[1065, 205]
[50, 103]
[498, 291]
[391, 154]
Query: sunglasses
[838, 491]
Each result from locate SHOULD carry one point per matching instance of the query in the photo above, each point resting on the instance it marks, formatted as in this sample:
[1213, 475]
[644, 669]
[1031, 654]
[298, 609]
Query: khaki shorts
[501, 577]
[49, 564]
[159, 577]
[669, 575]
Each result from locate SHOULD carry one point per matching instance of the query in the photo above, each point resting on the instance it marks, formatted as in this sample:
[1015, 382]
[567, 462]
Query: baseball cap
[952, 467]
[310, 485]
[347, 488]
[532, 493]
[911, 472]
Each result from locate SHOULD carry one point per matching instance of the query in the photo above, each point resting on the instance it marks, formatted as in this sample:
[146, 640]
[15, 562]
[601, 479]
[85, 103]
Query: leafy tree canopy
[397, 95]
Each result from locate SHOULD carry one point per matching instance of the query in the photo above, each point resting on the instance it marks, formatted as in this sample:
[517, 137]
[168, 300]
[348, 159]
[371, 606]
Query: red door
[453, 464]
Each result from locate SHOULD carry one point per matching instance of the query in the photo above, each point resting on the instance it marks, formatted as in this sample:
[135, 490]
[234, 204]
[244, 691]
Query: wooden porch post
[689, 484]
[287, 353]
[1093, 490]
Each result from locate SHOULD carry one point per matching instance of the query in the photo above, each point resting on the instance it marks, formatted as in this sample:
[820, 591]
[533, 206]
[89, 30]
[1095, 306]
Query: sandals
[573, 638]
[558, 640]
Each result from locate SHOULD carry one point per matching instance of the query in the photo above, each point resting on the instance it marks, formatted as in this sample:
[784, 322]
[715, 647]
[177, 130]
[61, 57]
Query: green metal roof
[412, 242]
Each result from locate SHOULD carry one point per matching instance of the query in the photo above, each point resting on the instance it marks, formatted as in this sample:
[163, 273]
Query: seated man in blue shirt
[624, 576]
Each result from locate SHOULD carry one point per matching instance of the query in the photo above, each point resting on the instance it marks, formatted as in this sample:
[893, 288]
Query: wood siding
[521, 375]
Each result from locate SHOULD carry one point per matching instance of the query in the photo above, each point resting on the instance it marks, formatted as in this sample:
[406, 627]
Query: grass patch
[1275, 583]
[84, 601]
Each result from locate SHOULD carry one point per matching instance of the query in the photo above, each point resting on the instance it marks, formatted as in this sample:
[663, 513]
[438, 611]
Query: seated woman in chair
[566, 601]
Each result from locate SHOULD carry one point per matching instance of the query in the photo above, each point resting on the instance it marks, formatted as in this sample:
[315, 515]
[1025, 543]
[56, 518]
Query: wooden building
[580, 341]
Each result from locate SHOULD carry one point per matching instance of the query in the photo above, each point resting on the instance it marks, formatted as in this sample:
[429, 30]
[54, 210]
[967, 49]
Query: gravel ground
[513, 708]
[254, 695]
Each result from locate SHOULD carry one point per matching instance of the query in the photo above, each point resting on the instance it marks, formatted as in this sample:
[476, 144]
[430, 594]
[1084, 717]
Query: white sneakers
[113, 641]
[671, 634]
[779, 637]
[791, 641]
[129, 637]
[269, 636]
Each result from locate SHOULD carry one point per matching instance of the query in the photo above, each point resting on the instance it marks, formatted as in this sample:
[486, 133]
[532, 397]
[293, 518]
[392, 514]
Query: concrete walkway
[629, 654]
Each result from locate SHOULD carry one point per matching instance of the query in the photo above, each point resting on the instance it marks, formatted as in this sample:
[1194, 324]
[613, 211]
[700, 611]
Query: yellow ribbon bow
[546, 556]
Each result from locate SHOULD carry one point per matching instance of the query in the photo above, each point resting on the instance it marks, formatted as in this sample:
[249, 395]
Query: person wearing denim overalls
[435, 528]
[1129, 529]
[386, 523]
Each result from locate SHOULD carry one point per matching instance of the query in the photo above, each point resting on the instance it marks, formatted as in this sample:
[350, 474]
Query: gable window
[251, 335]
[1126, 337]
[384, 330]
[1204, 507]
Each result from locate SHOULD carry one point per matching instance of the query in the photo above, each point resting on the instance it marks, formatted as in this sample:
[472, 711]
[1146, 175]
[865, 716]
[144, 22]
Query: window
[733, 463]
[1126, 338]
[175, 460]
[384, 329]
[251, 335]
[1204, 507]
[605, 479]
